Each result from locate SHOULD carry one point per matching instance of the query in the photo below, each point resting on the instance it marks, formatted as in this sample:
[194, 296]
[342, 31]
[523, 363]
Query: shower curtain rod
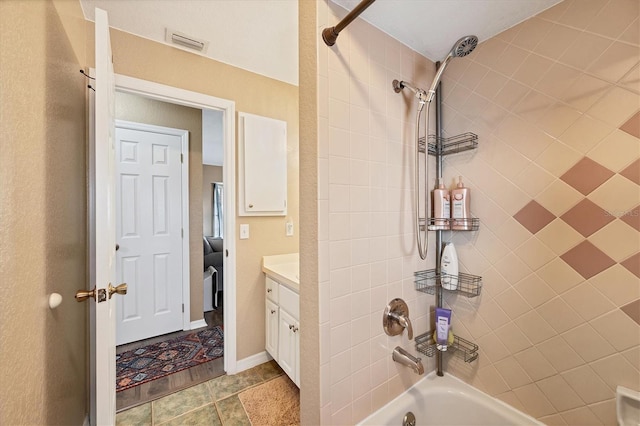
[329, 35]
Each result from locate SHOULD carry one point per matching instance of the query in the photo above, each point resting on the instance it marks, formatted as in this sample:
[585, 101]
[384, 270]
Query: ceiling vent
[183, 40]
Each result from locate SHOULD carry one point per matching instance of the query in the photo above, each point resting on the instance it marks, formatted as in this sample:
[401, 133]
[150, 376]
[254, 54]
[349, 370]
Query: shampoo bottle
[460, 206]
[449, 267]
[441, 206]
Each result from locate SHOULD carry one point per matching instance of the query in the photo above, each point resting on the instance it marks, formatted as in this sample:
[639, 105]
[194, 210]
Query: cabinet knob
[269, 290]
[250, 206]
[273, 311]
[295, 329]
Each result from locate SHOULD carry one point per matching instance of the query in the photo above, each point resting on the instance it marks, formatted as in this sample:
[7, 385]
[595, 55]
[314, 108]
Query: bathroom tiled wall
[555, 181]
[367, 253]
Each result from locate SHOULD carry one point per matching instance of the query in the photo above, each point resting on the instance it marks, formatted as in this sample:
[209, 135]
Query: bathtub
[448, 401]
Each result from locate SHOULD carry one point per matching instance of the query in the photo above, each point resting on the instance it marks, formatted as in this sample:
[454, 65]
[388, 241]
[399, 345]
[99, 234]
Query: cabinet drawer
[271, 289]
[290, 301]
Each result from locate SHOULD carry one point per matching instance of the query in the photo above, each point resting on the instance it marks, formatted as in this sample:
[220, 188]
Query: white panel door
[149, 231]
[102, 232]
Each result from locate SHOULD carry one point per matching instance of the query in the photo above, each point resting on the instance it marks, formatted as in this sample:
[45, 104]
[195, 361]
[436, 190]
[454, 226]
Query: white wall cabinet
[262, 175]
[282, 322]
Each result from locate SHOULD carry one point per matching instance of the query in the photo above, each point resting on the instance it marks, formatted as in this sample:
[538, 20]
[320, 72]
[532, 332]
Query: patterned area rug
[154, 361]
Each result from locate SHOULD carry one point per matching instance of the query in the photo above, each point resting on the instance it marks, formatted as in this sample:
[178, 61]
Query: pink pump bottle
[460, 206]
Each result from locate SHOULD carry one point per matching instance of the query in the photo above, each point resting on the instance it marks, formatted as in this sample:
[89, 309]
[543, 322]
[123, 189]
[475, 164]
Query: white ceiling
[431, 27]
[262, 35]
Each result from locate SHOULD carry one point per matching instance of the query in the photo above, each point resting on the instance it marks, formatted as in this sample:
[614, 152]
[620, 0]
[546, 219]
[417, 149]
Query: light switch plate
[289, 228]
[244, 231]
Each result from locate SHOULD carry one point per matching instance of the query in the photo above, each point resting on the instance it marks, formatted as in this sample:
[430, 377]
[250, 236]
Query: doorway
[192, 303]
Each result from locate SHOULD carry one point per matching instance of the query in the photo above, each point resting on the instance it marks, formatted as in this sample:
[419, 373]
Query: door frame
[184, 209]
[191, 99]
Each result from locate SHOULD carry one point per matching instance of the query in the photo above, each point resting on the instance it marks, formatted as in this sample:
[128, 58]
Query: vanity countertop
[284, 268]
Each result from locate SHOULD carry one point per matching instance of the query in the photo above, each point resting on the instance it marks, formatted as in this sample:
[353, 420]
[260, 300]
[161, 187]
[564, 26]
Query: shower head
[461, 48]
[464, 46]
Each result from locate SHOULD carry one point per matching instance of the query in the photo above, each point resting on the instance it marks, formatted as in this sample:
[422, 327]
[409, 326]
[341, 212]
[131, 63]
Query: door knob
[99, 295]
[121, 289]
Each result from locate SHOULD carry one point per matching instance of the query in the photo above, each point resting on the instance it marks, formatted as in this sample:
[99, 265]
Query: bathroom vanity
[282, 312]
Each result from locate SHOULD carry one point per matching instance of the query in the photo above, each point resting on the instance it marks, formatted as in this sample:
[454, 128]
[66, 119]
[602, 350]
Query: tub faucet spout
[405, 358]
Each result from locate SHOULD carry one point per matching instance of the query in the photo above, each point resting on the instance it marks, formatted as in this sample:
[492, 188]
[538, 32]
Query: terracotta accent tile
[587, 259]
[586, 175]
[587, 217]
[534, 217]
[633, 310]
[632, 218]
[633, 264]
[632, 172]
[632, 126]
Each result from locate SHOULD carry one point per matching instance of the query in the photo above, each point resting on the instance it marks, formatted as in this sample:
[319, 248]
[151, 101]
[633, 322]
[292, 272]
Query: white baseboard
[86, 421]
[198, 324]
[252, 361]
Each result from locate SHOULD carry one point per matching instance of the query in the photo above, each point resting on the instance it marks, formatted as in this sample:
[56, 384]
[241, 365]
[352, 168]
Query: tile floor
[214, 402]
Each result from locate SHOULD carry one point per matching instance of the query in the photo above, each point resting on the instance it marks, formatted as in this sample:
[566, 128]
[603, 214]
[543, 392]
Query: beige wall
[150, 111]
[42, 216]
[210, 174]
[554, 182]
[141, 58]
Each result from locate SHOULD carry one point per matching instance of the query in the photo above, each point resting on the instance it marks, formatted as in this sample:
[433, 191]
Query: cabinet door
[287, 349]
[263, 166]
[271, 335]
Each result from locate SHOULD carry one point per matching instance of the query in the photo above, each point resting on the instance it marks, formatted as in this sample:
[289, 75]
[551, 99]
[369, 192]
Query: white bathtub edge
[451, 382]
